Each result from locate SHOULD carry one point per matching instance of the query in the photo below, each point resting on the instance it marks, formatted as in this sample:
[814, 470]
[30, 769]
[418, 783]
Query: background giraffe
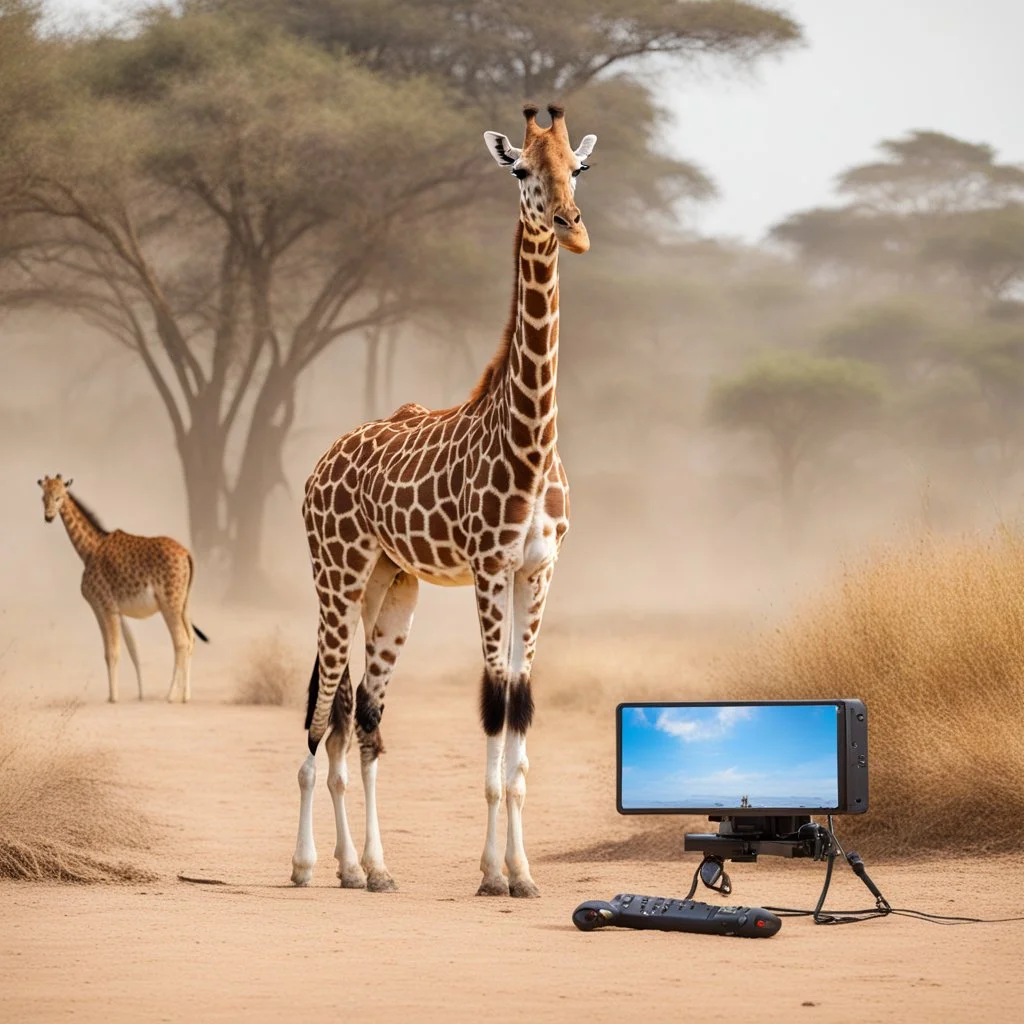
[128, 575]
[470, 495]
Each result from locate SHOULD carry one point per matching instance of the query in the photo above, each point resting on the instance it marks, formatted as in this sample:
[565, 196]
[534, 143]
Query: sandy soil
[219, 782]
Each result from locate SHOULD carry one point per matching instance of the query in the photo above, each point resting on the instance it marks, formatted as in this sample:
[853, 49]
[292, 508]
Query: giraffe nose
[568, 220]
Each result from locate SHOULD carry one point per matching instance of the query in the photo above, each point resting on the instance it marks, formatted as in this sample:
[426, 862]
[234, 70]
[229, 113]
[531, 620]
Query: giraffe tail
[314, 692]
[199, 633]
[337, 707]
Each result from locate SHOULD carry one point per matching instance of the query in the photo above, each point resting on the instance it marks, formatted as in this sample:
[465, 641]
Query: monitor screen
[717, 758]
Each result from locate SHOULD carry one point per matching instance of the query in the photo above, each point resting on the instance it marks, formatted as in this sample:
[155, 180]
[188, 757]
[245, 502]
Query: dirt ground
[218, 780]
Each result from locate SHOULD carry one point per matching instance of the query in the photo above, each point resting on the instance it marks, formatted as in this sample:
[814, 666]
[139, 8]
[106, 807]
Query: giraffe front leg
[133, 652]
[530, 594]
[107, 619]
[494, 608]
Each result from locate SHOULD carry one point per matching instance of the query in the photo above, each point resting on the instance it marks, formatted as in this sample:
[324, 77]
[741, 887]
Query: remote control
[671, 915]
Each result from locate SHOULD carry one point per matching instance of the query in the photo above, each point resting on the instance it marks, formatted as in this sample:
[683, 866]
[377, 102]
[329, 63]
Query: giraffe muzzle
[573, 237]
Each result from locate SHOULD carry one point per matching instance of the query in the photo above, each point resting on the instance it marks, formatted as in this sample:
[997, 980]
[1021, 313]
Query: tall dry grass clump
[273, 675]
[61, 818]
[932, 640]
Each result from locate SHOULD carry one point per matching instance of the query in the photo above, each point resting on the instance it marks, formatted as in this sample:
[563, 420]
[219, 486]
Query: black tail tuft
[199, 633]
[314, 692]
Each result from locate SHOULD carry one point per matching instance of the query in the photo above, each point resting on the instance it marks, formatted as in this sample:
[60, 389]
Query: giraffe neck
[85, 536]
[526, 378]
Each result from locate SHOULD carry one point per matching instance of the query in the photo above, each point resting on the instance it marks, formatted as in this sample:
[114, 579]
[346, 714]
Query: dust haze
[795, 463]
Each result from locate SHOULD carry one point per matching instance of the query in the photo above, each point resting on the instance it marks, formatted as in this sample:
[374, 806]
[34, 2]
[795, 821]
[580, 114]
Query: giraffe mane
[89, 514]
[498, 363]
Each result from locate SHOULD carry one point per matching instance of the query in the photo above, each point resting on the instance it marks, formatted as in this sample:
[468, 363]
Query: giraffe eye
[582, 167]
[520, 172]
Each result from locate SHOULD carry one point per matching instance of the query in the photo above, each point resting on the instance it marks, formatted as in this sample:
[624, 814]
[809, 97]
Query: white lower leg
[133, 653]
[494, 882]
[516, 767]
[176, 677]
[349, 871]
[304, 858]
[378, 879]
[112, 678]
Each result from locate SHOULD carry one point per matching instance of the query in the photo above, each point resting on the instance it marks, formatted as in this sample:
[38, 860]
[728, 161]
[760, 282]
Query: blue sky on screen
[776, 756]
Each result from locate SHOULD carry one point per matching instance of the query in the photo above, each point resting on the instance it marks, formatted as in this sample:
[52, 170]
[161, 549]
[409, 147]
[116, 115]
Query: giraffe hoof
[301, 876]
[380, 881]
[496, 885]
[351, 878]
[523, 888]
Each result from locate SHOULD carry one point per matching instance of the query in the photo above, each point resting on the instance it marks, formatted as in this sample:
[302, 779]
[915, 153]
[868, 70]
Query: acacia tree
[228, 196]
[222, 201]
[932, 201]
[798, 403]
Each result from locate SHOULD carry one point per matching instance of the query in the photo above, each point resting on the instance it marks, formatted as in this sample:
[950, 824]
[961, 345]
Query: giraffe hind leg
[385, 637]
[339, 617]
[339, 740]
[183, 641]
[133, 652]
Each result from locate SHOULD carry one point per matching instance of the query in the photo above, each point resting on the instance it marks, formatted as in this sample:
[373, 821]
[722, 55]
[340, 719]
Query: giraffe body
[473, 495]
[129, 576]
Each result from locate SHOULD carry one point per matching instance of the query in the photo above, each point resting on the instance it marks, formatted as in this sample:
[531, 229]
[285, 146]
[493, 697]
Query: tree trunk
[202, 463]
[260, 471]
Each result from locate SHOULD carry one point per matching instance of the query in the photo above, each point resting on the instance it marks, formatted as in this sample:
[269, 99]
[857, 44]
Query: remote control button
[743, 920]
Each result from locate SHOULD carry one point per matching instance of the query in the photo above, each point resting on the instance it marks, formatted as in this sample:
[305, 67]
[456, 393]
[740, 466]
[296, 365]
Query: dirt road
[219, 782]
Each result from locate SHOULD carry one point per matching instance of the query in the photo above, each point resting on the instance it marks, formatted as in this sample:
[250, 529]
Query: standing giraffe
[470, 495]
[128, 575]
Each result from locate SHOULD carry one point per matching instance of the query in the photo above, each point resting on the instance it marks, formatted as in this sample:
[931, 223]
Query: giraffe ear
[586, 147]
[40, 482]
[68, 482]
[504, 153]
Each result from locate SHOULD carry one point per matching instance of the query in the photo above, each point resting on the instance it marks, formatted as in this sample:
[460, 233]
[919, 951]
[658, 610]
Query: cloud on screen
[681, 723]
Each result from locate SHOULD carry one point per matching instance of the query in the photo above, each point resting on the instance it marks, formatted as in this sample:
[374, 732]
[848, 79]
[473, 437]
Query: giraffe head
[547, 168]
[55, 490]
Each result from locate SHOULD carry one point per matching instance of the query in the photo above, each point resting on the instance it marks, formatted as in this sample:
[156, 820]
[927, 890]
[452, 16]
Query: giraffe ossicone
[128, 576]
[472, 495]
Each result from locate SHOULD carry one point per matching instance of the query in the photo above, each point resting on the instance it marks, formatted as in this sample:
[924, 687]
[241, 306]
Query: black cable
[882, 907]
[827, 846]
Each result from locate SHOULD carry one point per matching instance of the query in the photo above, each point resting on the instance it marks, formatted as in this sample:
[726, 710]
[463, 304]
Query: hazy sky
[871, 69]
[703, 756]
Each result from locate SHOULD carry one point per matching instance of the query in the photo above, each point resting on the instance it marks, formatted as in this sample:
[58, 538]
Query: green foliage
[985, 247]
[532, 48]
[932, 172]
[800, 401]
[892, 334]
[800, 404]
[936, 202]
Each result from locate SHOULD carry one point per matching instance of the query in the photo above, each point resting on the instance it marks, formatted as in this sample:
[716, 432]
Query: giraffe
[127, 575]
[472, 495]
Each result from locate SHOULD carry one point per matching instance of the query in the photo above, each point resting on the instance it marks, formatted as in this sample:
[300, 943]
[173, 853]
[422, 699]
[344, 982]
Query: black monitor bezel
[851, 758]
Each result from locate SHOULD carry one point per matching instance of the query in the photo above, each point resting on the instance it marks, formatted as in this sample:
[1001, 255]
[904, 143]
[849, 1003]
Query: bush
[272, 676]
[932, 640]
[59, 813]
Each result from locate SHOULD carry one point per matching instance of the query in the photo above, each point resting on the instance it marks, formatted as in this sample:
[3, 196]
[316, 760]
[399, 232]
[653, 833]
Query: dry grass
[272, 676]
[932, 640]
[60, 818]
